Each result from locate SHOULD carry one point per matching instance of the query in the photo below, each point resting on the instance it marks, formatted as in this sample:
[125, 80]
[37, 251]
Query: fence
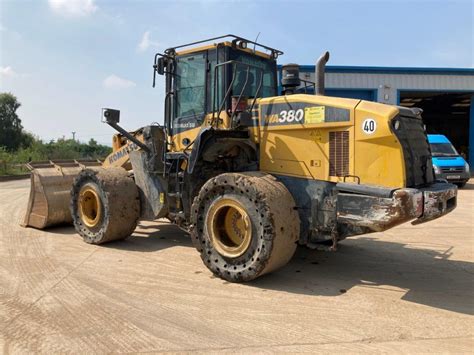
[9, 168]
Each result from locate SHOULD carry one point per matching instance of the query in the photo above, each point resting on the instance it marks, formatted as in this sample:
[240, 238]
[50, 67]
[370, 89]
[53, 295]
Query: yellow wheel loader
[248, 172]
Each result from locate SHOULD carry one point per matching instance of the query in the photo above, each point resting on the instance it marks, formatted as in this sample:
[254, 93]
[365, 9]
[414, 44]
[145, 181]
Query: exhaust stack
[320, 66]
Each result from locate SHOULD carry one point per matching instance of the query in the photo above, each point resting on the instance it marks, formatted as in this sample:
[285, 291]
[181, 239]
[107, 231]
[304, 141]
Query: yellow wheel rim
[90, 208]
[229, 227]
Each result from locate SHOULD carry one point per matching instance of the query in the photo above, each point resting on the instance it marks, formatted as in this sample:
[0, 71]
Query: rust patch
[378, 213]
[382, 213]
[437, 203]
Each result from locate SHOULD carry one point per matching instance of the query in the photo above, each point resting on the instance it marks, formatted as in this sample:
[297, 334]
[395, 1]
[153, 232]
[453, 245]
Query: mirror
[160, 66]
[110, 115]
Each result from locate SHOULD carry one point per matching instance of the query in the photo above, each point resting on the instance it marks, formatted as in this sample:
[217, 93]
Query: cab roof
[226, 40]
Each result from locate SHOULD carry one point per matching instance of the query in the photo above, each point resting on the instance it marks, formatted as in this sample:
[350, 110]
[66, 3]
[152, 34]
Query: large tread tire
[275, 224]
[119, 200]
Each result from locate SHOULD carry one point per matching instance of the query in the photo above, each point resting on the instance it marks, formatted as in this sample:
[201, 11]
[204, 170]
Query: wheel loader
[249, 168]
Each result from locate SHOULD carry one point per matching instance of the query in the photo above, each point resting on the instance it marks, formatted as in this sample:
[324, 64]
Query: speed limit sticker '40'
[369, 126]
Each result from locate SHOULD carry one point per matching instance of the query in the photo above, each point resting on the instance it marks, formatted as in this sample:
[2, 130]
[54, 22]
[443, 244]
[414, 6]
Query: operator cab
[211, 81]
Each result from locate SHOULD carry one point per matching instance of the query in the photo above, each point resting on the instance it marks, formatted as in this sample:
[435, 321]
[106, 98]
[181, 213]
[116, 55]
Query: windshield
[257, 66]
[443, 150]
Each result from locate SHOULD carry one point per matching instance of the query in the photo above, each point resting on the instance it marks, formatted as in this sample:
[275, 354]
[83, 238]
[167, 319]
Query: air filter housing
[290, 77]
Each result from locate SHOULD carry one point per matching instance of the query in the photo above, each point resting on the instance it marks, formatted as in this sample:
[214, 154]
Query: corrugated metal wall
[388, 85]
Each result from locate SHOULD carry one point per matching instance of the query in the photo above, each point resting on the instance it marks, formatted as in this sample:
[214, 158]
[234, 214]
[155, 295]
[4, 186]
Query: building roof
[391, 70]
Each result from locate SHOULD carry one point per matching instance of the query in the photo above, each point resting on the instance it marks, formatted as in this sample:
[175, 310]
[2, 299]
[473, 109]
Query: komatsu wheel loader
[248, 172]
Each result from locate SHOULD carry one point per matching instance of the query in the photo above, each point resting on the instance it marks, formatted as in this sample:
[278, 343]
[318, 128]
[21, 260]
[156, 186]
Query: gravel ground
[409, 289]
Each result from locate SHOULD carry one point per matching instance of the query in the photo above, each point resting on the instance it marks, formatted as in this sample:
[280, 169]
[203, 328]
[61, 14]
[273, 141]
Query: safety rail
[311, 83]
[236, 41]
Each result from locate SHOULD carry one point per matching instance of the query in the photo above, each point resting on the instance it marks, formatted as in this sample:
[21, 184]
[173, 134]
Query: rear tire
[244, 225]
[461, 184]
[105, 205]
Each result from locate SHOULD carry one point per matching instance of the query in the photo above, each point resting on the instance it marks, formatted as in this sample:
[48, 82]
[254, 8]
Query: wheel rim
[90, 208]
[229, 227]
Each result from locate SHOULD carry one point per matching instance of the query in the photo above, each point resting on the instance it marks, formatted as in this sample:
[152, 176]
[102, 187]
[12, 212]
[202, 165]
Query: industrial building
[444, 94]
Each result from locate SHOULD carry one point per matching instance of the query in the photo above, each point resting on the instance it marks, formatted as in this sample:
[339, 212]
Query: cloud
[73, 7]
[117, 83]
[146, 42]
[8, 72]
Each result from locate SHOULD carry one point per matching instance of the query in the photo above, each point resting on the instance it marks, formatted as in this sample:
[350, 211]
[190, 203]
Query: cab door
[190, 98]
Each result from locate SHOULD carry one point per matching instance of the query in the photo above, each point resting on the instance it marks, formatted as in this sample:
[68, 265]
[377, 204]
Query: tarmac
[410, 289]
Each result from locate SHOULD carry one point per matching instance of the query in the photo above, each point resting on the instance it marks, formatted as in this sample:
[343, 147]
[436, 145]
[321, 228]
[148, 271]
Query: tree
[11, 130]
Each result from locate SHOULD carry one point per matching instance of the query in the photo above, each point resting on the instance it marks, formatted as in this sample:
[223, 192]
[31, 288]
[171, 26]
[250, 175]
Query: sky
[67, 59]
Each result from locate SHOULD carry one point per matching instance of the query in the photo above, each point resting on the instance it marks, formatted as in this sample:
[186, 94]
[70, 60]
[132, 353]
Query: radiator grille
[452, 169]
[339, 153]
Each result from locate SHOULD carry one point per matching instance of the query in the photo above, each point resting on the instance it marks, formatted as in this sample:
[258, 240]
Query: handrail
[313, 84]
[257, 92]
[245, 86]
[215, 90]
[221, 106]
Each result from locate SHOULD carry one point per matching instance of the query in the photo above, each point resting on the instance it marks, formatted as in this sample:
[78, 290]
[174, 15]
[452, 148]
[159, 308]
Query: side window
[258, 66]
[268, 84]
[215, 102]
[190, 85]
[246, 83]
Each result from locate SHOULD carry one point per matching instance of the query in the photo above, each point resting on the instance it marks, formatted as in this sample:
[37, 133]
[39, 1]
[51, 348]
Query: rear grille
[452, 169]
[416, 150]
[339, 153]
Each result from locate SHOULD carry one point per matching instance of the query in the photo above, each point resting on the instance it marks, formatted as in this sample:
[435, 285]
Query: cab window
[215, 57]
[190, 85]
[257, 66]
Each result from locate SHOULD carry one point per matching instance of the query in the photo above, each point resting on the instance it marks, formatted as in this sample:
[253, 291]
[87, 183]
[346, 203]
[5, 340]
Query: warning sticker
[314, 114]
[316, 134]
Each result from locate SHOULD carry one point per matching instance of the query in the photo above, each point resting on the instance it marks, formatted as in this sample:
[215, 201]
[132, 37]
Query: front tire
[104, 205]
[244, 225]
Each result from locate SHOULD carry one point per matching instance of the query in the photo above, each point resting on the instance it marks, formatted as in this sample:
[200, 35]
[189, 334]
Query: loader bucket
[51, 183]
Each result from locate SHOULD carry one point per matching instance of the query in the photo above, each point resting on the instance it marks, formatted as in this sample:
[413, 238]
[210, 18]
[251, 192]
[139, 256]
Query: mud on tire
[105, 205]
[270, 210]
